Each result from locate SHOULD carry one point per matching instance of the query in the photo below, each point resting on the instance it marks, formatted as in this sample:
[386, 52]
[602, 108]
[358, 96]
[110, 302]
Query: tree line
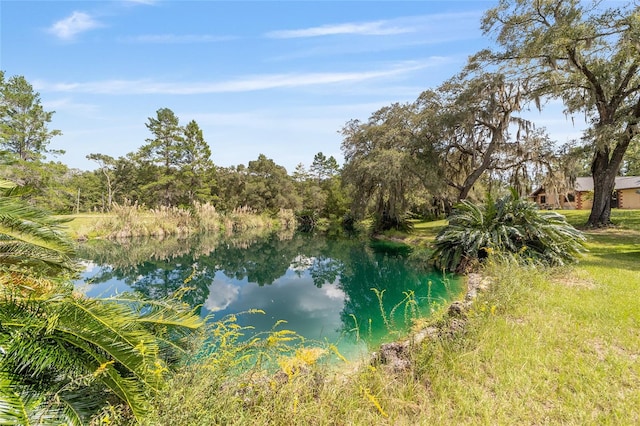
[460, 140]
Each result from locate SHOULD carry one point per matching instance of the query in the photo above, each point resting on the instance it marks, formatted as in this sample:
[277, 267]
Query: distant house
[625, 196]
[553, 199]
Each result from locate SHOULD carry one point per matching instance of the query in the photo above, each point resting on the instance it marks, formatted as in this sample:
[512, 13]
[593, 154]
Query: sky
[279, 78]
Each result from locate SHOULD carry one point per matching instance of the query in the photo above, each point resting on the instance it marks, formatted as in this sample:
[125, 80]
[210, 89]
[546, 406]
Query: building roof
[622, 182]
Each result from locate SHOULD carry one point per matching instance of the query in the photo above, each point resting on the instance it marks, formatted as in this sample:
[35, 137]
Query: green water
[349, 292]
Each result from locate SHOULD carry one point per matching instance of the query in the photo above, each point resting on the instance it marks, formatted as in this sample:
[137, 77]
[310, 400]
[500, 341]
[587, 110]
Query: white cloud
[69, 104]
[425, 24]
[368, 28]
[73, 25]
[221, 295]
[334, 292]
[246, 84]
[175, 38]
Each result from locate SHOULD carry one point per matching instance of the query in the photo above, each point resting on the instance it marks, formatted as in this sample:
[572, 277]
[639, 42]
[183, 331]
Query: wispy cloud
[404, 25]
[175, 38]
[245, 84]
[148, 2]
[76, 23]
[367, 28]
[69, 104]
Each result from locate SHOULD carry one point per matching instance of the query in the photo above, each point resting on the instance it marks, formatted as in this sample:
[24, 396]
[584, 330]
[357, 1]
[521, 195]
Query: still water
[349, 292]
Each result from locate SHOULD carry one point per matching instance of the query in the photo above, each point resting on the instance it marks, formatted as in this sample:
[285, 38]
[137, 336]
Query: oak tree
[589, 57]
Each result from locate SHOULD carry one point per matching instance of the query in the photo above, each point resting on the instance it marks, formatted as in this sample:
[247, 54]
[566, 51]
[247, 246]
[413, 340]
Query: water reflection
[323, 288]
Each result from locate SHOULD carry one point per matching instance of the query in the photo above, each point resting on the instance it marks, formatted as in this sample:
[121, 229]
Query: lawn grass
[83, 224]
[560, 346]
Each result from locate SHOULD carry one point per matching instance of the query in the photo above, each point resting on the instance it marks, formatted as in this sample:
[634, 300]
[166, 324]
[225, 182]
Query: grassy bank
[125, 221]
[556, 346]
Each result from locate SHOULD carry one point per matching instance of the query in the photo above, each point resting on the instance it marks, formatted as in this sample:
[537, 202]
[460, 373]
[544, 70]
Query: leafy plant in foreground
[507, 226]
[63, 356]
[31, 241]
[66, 356]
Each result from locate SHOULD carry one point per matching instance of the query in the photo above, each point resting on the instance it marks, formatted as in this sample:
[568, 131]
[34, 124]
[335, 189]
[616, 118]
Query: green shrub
[64, 357]
[509, 226]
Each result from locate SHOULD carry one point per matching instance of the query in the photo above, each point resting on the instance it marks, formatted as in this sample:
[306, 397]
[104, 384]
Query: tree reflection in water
[321, 287]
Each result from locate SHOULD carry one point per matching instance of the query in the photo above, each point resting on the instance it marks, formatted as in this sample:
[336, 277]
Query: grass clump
[133, 220]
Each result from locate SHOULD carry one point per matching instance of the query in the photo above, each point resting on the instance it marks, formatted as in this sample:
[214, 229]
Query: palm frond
[31, 241]
[59, 339]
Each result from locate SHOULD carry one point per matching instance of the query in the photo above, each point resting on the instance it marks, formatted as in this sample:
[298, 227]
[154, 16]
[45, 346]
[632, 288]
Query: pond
[345, 291]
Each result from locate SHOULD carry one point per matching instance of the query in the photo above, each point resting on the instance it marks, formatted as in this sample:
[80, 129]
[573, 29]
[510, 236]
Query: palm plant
[62, 355]
[65, 356]
[508, 226]
[31, 241]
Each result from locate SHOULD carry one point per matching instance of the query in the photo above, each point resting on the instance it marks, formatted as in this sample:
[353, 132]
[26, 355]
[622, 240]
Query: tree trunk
[497, 138]
[604, 171]
[603, 186]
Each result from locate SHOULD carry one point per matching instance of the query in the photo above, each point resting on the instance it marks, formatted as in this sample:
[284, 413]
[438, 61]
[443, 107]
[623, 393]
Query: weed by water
[133, 220]
[383, 312]
[356, 327]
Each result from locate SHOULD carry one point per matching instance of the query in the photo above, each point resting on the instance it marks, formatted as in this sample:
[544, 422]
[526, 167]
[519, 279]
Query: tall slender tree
[165, 150]
[196, 168]
[106, 163]
[322, 167]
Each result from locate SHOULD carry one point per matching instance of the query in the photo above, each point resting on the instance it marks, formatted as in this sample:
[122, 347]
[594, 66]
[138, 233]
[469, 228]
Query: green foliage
[23, 121]
[509, 226]
[32, 243]
[67, 355]
[48, 182]
[324, 199]
[268, 187]
[379, 167]
[63, 356]
[322, 167]
[631, 165]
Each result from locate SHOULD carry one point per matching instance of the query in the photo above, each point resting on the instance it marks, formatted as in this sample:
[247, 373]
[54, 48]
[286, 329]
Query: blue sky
[278, 78]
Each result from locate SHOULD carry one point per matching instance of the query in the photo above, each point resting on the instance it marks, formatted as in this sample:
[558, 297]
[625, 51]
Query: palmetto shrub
[64, 356]
[509, 226]
[31, 241]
